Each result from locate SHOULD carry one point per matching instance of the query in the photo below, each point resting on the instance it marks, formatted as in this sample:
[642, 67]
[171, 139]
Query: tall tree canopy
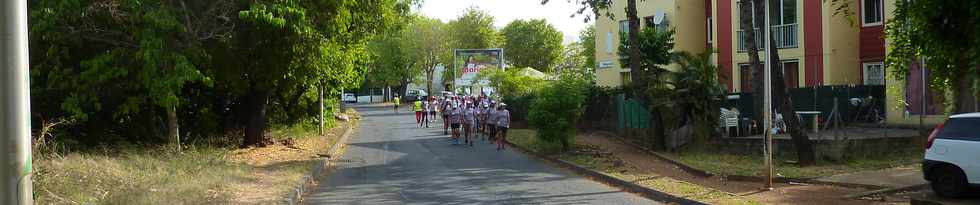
[116, 68]
[947, 35]
[288, 43]
[533, 43]
[473, 30]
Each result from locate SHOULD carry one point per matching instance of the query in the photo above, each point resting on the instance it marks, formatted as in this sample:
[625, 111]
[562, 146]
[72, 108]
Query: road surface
[392, 161]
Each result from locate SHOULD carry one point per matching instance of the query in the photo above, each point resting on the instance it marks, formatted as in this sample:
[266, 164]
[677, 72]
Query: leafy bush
[510, 83]
[556, 108]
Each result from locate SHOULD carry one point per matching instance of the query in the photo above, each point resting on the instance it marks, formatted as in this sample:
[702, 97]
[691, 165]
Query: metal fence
[855, 104]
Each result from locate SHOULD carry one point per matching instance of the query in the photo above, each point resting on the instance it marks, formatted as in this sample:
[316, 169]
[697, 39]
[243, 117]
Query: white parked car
[952, 161]
[349, 98]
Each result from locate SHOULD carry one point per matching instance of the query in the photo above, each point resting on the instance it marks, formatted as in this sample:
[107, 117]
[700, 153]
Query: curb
[612, 181]
[316, 173]
[886, 191]
[703, 173]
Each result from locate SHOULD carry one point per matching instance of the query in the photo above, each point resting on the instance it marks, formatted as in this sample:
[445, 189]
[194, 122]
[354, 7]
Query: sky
[556, 12]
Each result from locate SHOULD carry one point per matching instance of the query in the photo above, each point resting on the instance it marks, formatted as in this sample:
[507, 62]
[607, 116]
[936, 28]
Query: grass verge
[198, 175]
[133, 176]
[730, 164]
[595, 159]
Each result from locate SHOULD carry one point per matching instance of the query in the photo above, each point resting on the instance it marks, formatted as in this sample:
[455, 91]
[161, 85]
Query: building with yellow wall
[686, 17]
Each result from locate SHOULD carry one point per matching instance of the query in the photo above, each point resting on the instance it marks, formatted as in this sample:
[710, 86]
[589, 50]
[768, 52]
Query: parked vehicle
[349, 98]
[413, 95]
[952, 160]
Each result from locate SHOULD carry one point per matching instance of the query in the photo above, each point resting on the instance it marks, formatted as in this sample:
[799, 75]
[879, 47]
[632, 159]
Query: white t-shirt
[503, 118]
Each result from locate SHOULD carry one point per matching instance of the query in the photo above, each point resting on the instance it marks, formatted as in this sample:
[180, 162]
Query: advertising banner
[469, 62]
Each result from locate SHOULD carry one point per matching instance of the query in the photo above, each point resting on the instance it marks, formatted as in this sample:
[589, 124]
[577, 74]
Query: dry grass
[595, 159]
[729, 164]
[198, 175]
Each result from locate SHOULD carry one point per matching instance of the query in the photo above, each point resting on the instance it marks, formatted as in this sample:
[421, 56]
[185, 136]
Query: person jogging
[398, 101]
[419, 114]
[503, 123]
[469, 123]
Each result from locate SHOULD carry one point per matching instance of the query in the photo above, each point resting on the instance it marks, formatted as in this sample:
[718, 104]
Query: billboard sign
[469, 62]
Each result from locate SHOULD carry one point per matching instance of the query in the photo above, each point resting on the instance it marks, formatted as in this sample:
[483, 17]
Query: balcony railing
[784, 35]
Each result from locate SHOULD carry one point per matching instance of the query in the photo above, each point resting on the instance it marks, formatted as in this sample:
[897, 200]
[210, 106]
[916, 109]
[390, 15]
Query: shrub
[556, 108]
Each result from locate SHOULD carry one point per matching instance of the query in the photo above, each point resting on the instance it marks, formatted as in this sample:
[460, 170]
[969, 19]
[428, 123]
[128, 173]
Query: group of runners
[466, 119]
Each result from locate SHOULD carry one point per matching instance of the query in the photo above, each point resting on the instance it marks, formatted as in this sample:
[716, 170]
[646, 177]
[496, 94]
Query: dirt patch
[638, 161]
[276, 168]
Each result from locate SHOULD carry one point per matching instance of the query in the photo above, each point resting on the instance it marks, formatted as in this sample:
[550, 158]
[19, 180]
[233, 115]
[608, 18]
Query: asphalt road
[392, 161]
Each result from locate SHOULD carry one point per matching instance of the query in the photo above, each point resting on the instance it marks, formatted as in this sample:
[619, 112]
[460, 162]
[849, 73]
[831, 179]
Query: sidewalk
[905, 176]
[786, 193]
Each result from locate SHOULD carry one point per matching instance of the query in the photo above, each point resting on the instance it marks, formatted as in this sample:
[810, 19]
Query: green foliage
[587, 41]
[942, 32]
[557, 107]
[427, 41]
[474, 30]
[533, 43]
[655, 51]
[135, 50]
[510, 83]
[114, 68]
[697, 89]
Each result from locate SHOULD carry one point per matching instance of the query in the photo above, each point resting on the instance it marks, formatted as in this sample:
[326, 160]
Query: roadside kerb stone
[703, 173]
[317, 172]
[610, 180]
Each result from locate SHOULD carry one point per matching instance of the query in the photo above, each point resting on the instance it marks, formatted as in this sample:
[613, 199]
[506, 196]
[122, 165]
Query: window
[745, 78]
[874, 73]
[709, 30]
[871, 13]
[961, 129]
[624, 27]
[610, 45]
[751, 9]
[785, 15]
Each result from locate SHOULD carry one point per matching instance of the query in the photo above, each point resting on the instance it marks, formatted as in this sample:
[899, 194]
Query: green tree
[945, 34]
[474, 30]
[557, 107]
[124, 60]
[586, 38]
[427, 40]
[572, 59]
[286, 44]
[655, 48]
[696, 89]
[392, 63]
[532, 43]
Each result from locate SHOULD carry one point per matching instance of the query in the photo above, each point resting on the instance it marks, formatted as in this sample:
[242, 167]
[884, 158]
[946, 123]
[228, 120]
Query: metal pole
[767, 99]
[15, 125]
[922, 97]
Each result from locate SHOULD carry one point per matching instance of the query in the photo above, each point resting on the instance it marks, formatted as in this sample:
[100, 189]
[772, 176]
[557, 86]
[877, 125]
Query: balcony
[785, 36]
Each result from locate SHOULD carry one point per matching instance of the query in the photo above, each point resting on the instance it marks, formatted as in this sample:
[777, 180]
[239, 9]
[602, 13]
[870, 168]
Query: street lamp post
[15, 127]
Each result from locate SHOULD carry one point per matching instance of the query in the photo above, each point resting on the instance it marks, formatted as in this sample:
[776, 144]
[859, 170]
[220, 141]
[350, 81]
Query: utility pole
[767, 98]
[15, 122]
